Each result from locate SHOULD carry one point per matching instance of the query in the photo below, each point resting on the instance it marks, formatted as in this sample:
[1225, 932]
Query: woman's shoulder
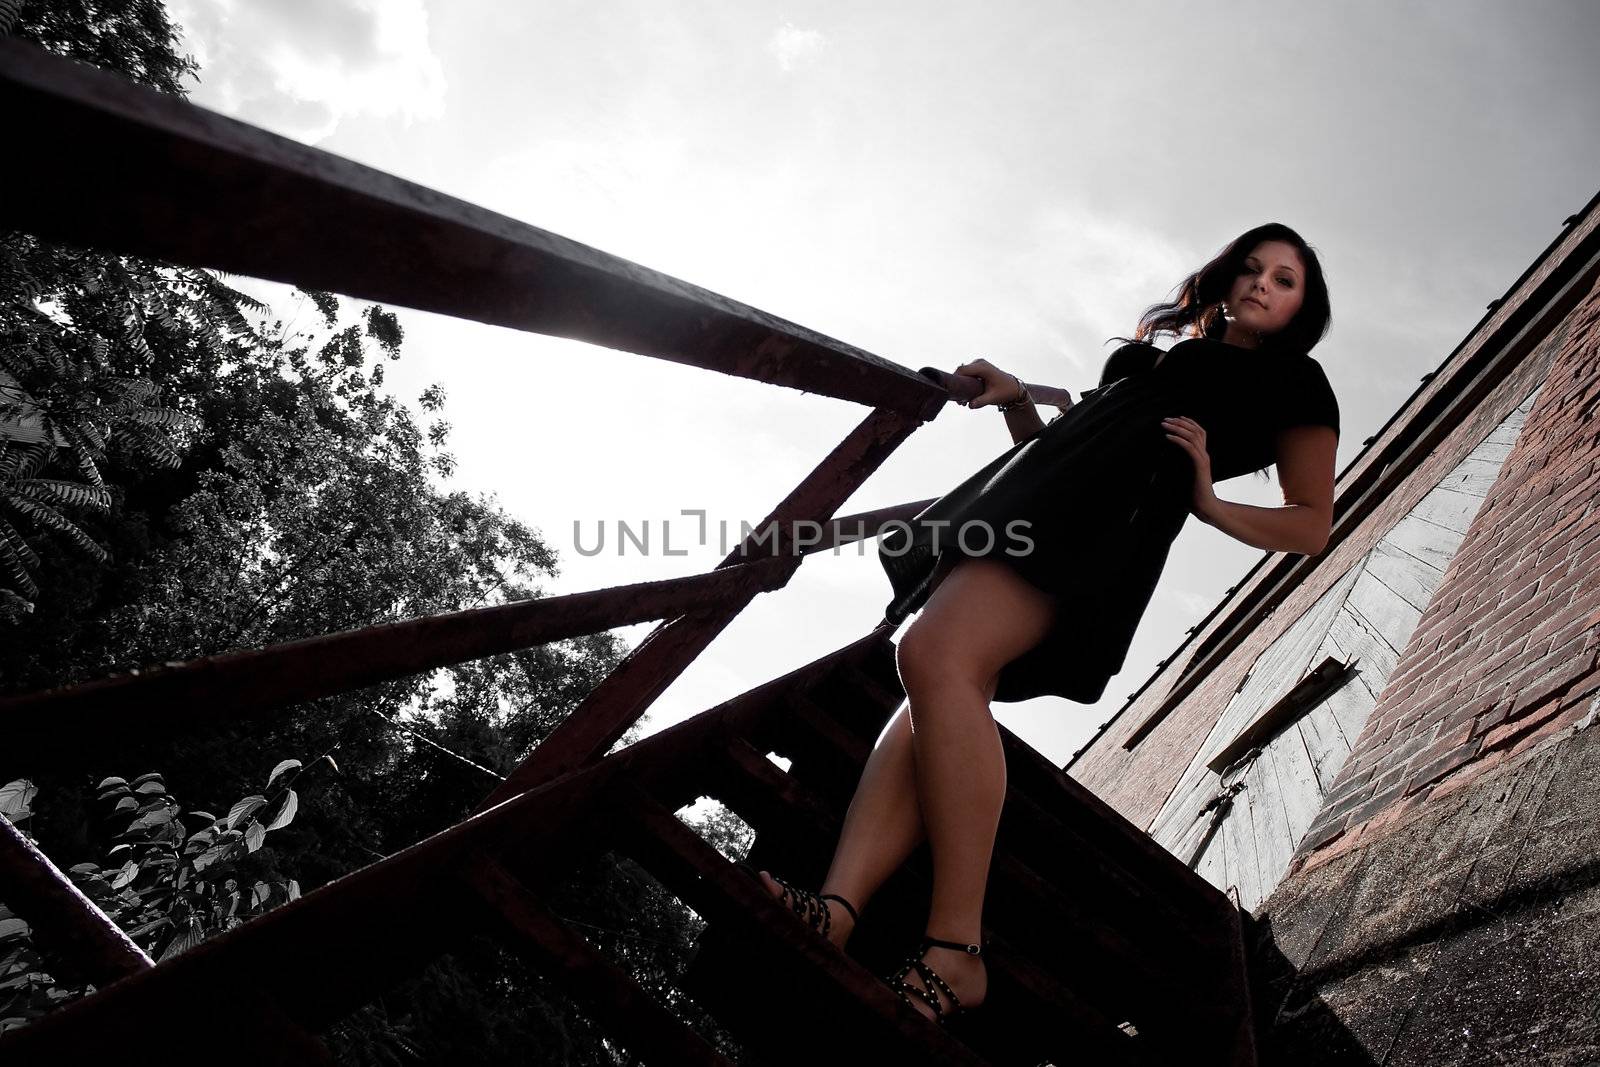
[1127, 345]
[1134, 357]
[1298, 364]
[1310, 396]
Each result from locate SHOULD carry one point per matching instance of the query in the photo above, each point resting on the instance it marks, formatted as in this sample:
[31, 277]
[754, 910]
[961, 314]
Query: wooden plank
[197, 188]
[1275, 833]
[1259, 826]
[608, 994]
[1277, 670]
[1220, 842]
[1384, 611]
[1360, 676]
[1197, 784]
[1474, 475]
[1300, 789]
[1428, 541]
[1449, 508]
[1357, 637]
[1193, 791]
[1350, 706]
[1309, 690]
[1404, 575]
[1253, 817]
[1455, 501]
[1495, 451]
[1212, 865]
[1326, 745]
[1285, 662]
[1327, 609]
[1242, 872]
[1189, 842]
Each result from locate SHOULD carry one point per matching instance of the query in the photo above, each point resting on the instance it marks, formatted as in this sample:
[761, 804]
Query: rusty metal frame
[190, 186]
[199, 189]
[622, 697]
[45, 898]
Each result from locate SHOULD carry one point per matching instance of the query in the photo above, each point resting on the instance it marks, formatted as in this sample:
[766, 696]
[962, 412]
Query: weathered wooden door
[1239, 826]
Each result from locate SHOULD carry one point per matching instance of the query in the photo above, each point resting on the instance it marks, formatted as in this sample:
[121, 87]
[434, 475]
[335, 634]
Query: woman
[1103, 489]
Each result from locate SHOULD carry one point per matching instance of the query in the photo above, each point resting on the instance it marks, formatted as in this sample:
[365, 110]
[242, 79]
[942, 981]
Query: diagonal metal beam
[238, 685]
[248, 682]
[328, 952]
[624, 695]
[45, 898]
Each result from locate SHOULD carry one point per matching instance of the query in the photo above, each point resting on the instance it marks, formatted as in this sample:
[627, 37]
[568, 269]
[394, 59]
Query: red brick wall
[1508, 652]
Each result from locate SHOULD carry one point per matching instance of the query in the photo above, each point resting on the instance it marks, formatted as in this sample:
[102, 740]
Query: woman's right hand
[999, 387]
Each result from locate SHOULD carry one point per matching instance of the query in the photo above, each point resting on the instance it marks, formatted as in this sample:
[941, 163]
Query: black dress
[1088, 506]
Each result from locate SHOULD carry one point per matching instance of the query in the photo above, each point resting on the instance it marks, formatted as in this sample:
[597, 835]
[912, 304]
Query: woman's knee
[931, 656]
[982, 619]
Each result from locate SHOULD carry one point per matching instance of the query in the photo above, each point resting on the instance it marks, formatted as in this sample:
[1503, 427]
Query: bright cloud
[793, 46]
[1192, 604]
[299, 67]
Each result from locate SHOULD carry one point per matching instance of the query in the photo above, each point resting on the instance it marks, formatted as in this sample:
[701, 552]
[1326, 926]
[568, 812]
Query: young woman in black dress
[937, 771]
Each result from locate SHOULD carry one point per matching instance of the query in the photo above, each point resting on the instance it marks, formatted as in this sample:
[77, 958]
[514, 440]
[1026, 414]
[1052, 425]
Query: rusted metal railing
[199, 189]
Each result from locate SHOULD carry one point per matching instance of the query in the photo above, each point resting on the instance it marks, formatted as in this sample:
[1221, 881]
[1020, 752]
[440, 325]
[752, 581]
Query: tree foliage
[170, 878]
[216, 477]
[66, 400]
[135, 38]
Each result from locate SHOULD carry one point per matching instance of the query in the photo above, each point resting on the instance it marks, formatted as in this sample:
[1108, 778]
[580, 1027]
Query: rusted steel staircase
[1107, 949]
[1092, 924]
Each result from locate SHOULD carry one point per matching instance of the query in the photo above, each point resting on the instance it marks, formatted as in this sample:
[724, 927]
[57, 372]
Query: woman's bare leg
[938, 765]
[883, 825]
[983, 617]
[881, 829]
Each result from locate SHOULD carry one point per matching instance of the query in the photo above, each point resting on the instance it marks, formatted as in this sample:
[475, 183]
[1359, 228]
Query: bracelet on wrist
[1022, 396]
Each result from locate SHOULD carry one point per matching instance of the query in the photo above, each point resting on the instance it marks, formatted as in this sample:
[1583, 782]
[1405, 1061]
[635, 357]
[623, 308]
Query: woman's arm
[1001, 387]
[1305, 456]
[1023, 422]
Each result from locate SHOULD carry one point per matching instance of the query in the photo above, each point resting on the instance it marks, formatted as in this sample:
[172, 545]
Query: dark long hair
[1197, 312]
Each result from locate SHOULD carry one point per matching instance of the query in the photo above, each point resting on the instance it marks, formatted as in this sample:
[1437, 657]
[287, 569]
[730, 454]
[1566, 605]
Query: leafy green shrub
[169, 878]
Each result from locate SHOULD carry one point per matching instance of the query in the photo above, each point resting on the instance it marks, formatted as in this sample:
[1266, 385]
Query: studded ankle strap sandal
[809, 906]
[932, 983]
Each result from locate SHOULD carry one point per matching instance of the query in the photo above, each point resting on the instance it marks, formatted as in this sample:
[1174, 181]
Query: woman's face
[1266, 294]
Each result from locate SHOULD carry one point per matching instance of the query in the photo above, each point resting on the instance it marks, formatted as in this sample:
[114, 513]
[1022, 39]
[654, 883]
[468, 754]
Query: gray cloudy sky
[931, 183]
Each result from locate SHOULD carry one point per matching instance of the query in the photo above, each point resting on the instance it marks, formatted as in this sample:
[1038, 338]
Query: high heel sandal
[810, 907]
[932, 983]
